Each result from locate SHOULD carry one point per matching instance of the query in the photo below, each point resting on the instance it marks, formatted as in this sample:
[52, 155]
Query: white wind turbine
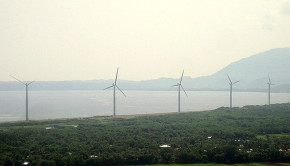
[26, 85]
[180, 86]
[231, 90]
[114, 85]
[269, 90]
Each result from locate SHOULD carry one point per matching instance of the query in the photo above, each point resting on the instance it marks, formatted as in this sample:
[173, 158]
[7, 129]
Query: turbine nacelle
[179, 83]
[231, 83]
[26, 84]
[269, 83]
[115, 85]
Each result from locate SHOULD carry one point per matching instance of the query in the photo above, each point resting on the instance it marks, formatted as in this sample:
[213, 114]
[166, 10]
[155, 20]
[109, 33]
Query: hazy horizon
[88, 40]
[69, 104]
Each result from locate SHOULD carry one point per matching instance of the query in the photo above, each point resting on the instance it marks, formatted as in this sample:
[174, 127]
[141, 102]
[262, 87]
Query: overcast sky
[53, 40]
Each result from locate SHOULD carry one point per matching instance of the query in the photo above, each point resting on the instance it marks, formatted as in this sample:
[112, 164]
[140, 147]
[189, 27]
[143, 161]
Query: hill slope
[252, 73]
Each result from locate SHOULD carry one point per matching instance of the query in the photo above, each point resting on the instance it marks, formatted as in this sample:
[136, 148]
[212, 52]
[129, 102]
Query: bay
[70, 104]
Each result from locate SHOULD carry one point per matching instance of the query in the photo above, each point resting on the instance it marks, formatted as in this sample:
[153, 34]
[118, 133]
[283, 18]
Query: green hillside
[238, 135]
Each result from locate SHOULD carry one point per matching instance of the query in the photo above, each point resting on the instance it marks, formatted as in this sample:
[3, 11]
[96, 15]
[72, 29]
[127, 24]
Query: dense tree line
[237, 135]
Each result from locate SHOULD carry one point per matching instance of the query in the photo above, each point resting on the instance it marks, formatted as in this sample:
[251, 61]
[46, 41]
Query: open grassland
[238, 135]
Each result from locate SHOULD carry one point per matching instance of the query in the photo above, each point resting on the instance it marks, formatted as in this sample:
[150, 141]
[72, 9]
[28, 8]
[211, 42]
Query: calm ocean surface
[68, 104]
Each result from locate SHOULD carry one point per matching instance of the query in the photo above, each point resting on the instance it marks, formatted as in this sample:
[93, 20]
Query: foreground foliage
[237, 135]
[248, 164]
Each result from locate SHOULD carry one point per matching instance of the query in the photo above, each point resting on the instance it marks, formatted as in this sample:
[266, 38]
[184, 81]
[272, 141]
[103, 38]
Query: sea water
[69, 104]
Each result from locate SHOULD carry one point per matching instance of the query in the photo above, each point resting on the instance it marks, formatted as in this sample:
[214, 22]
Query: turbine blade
[181, 77]
[30, 82]
[176, 85]
[17, 79]
[229, 78]
[183, 90]
[108, 87]
[269, 79]
[121, 90]
[116, 75]
[236, 82]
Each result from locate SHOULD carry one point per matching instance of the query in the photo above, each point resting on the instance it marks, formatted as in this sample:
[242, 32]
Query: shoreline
[100, 117]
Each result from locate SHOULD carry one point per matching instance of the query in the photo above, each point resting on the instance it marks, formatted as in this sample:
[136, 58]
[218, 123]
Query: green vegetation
[227, 136]
[251, 164]
[273, 135]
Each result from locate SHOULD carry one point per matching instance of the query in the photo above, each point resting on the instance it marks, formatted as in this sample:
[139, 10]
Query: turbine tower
[269, 90]
[231, 90]
[114, 85]
[26, 85]
[180, 86]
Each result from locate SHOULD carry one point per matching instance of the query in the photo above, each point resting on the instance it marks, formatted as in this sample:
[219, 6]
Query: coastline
[101, 117]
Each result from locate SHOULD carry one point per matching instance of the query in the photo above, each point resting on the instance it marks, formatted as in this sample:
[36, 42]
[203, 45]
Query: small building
[93, 156]
[164, 146]
[25, 163]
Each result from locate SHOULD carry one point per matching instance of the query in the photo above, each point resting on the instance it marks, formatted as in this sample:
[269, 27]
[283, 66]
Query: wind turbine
[231, 90]
[180, 86]
[114, 85]
[26, 85]
[269, 90]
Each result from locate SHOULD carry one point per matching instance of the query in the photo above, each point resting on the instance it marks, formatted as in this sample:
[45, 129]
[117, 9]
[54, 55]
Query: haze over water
[69, 104]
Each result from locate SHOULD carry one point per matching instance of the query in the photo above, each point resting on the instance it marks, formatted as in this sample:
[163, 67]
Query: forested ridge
[224, 135]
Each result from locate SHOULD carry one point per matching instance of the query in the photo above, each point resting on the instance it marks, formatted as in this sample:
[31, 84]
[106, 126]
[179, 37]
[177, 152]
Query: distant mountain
[252, 73]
